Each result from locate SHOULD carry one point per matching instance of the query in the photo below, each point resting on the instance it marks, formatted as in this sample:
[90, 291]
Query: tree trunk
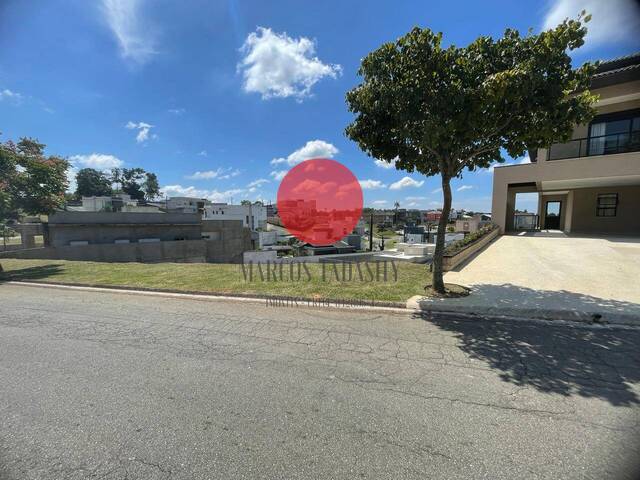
[438, 281]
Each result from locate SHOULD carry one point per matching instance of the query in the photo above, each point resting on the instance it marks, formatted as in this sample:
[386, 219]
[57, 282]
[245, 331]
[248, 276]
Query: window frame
[602, 208]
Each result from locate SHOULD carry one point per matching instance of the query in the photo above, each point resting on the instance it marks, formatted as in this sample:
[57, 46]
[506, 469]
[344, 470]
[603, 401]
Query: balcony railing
[525, 221]
[600, 145]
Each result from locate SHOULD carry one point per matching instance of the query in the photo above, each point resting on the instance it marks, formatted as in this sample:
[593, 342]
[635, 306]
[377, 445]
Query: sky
[220, 98]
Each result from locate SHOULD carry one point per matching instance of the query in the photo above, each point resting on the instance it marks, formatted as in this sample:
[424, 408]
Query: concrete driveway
[555, 272]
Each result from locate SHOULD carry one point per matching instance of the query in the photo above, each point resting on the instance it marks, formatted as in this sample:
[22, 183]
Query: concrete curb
[413, 305]
[425, 304]
[212, 296]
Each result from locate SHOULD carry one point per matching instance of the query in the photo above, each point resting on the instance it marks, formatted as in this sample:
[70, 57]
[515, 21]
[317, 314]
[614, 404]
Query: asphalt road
[113, 386]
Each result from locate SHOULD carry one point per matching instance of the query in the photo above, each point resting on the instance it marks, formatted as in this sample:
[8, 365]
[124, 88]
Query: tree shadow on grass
[31, 273]
[590, 362]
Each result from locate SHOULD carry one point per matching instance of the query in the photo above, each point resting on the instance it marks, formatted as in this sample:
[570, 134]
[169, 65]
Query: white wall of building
[183, 204]
[252, 216]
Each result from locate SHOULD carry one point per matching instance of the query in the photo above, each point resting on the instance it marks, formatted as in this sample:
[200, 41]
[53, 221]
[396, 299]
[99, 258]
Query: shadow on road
[31, 273]
[599, 363]
[508, 296]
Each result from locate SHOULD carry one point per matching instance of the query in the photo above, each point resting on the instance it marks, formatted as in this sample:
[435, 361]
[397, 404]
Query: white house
[183, 204]
[253, 216]
[120, 202]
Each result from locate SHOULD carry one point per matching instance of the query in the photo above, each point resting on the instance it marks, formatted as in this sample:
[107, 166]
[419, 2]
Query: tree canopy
[91, 182]
[151, 187]
[440, 110]
[30, 182]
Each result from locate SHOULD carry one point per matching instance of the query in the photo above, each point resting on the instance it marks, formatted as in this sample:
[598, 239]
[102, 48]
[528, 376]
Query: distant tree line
[135, 182]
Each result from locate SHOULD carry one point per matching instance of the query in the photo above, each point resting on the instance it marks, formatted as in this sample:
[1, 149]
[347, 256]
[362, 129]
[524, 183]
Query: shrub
[459, 245]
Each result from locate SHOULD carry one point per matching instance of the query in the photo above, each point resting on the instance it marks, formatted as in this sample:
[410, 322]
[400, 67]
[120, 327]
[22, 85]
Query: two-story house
[590, 184]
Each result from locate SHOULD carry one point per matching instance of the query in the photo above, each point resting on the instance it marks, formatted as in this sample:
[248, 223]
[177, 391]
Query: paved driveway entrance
[558, 272]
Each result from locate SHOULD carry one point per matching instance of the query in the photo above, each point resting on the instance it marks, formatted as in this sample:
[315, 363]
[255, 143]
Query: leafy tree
[439, 110]
[132, 180]
[245, 202]
[30, 182]
[116, 178]
[151, 187]
[92, 183]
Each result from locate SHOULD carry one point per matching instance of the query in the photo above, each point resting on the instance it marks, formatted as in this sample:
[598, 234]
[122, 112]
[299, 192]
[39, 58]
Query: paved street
[113, 386]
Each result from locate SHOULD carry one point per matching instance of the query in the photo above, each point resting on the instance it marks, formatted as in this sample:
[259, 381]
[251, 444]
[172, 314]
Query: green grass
[389, 243]
[218, 278]
[384, 233]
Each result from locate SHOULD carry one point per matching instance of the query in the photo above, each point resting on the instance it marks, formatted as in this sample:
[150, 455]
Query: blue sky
[220, 97]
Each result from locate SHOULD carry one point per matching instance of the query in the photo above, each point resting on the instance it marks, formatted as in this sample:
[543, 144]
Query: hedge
[460, 245]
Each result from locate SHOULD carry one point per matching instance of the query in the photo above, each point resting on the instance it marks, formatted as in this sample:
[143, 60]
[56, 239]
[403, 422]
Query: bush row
[460, 245]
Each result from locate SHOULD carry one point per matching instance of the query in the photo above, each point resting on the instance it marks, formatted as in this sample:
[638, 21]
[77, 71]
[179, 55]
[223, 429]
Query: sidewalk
[572, 278]
[515, 301]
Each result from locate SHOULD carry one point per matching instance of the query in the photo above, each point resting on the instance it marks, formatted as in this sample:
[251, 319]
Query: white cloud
[371, 184]
[437, 190]
[406, 182]
[276, 65]
[278, 174]
[220, 173]
[379, 202]
[71, 178]
[231, 174]
[463, 188]
[8, 95]
[203, 153]
[311, 149]
[258, 182]
[413, 199]
[99, 161]
[135, 38]
[191, 191]
[143, 131]
[613, 21]
[176, 111]
[206, 175]
[412, 204]
[386, 165]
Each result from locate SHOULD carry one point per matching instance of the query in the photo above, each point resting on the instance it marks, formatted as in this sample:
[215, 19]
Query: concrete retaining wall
[451, 262]
[223, 250]
[107, 227]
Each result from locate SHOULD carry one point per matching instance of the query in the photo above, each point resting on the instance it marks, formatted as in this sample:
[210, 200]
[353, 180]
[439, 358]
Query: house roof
[617, 70]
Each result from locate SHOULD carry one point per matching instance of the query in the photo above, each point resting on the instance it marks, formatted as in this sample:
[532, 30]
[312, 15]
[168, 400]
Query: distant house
[331, 249]
[183, 204]
[432, 216]
[414, 234]
[117, 203]
[470, 224]
[272, 210]
[253, 216]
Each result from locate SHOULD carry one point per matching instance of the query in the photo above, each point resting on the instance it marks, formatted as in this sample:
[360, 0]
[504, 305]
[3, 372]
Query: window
[607, 205]
[615, 133]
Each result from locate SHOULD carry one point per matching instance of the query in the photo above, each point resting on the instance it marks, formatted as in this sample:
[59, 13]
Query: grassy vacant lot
[218, 278]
